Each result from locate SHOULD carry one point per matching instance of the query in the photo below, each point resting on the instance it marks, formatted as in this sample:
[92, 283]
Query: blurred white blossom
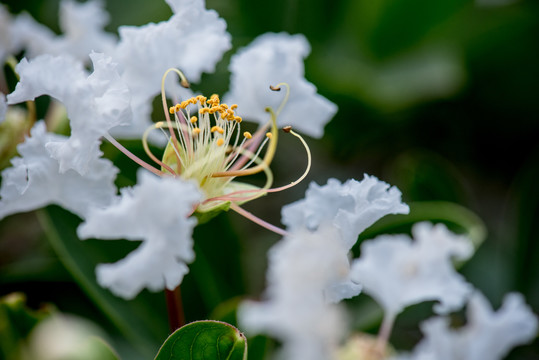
[350, 208]
[487, 335]
[35, 181]
[269, 60]
[294, 310]
[398, 271]
[95, 103]
[157, 212]
[82, 26]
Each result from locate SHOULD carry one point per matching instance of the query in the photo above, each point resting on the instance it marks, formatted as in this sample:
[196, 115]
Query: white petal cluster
[155, 211]
[34, 180]
[95, 103]
[487, 335]
[398, 272]
[82, 27]
[351, 207]
[193, 40]
[269, 60]
[10, 41]
[294, 310]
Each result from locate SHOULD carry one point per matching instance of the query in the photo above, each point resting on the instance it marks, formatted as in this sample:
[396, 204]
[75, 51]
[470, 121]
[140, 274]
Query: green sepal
[204, 340]
[205, 213]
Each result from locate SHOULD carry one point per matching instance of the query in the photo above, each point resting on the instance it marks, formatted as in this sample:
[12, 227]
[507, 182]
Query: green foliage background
[440, 98]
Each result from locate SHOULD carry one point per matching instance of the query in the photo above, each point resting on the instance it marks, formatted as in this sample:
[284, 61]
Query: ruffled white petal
[94, 103]
[487, 335]
[34, 180]
[193, 40]
[398, 272]
[155, 211]
[294, 310]
[351, 207]
[10, 40]
[82, 27]
[269, 60]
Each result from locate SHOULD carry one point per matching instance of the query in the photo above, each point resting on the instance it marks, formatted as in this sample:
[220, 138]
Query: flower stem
[384, 333]
[176, 317]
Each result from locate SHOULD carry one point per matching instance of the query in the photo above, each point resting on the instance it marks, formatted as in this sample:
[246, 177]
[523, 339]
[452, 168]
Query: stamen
[287, 95]
[257, 220]
[247, 134]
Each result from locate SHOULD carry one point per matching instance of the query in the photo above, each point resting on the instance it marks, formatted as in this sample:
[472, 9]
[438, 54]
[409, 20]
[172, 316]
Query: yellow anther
[203, 110]
[247, 134]
[184, 104]
[172, 109]
[238, 119]
[234, 106]
[196, 131]
[224, 106]
[220, 141]
[218, 129]
[193, 119]
[269, 135]
[178, 107]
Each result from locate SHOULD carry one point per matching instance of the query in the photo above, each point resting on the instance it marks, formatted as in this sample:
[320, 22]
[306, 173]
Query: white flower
[155, 211]
[94, 103]
[398, 272]
[351, 208]
[295, 311]
[82, 27]
[269, 60]
[487, 335]
[9, 38]
[192, 40]
[34, 180]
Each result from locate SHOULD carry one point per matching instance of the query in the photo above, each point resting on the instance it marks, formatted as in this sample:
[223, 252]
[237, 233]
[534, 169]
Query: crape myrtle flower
[293, 309]
[35, 181]
[398, 271]
[95, 103]
[82, 26]
[271, 59]
[194, 39]
[349, 207]
[206, 152]
[164, 224]
[488, 334]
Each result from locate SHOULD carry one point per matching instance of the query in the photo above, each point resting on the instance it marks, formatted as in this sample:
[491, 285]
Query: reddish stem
[176, 317]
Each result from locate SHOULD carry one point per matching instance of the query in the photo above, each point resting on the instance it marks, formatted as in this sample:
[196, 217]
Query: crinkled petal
[155, 211]
[487, 335]
[10, 41]
[351, 207]
[193, 40]
[34, 180]
[294, 310]
[83, 32]
[94, 103]
[398, 272]
[269, 60]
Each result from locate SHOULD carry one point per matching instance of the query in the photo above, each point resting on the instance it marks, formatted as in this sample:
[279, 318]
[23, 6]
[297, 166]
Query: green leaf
[205, 340]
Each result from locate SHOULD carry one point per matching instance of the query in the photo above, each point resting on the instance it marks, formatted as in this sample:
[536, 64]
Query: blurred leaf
[457, 218]
[205, 340]
[145, 330]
